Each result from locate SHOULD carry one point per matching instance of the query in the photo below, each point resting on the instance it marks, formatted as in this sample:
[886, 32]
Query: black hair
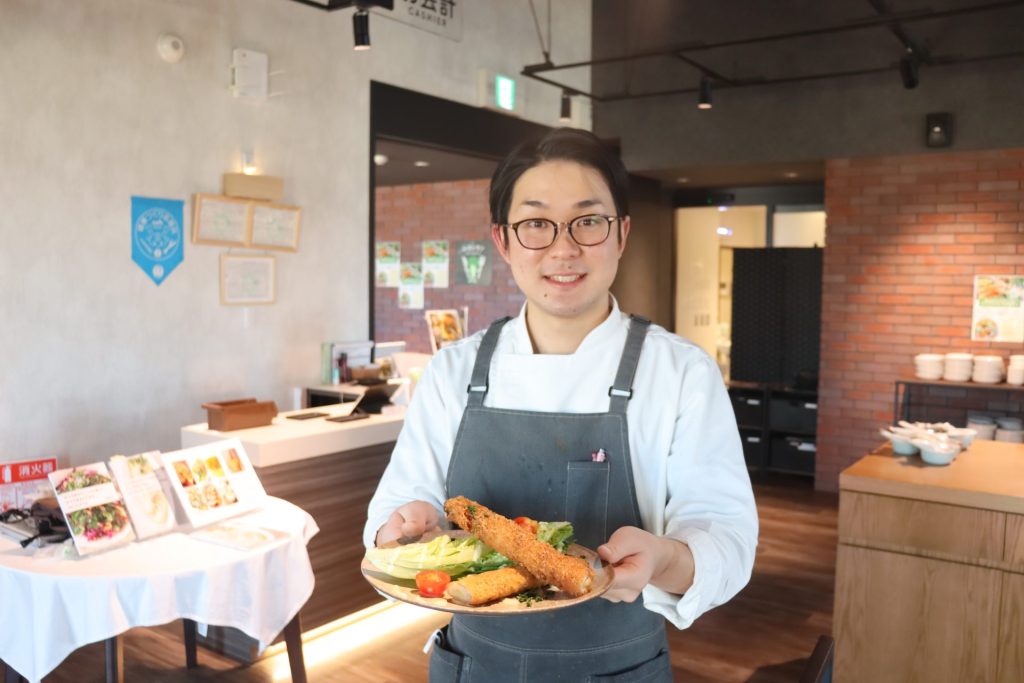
[566, 144]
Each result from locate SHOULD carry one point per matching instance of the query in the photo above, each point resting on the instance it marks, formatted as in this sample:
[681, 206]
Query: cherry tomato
[432, 582]
[530, 525]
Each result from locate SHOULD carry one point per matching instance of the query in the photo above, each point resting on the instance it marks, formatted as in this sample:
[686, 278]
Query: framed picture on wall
[220, 220]
[445, 327]
[275, 226]
[246, 279]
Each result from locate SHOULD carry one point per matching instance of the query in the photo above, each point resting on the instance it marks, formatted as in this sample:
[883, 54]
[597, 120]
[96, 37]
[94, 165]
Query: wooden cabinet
[1011, 630]
[913, 619]
[930, 568]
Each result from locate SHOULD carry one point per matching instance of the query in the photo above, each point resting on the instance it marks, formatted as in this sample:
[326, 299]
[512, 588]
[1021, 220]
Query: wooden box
[263, 187]
[225, 416]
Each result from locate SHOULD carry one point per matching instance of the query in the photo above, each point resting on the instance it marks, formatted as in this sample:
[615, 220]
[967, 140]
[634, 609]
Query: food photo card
[93, 508]
[136, 475]
[213, 482]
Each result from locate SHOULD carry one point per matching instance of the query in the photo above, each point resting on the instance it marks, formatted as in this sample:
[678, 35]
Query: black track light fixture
[705, 93]
[908, 70]
[361, 29]
[566, 114]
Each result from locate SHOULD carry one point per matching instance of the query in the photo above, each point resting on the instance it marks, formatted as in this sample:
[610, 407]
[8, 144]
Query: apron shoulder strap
[478, 381]
[622, 390]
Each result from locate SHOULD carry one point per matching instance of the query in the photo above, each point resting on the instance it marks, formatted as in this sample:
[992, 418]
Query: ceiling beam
[937, 61]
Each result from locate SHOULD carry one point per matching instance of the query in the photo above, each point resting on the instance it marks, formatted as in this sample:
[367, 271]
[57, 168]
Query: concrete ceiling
[723, 41]
[680, 39]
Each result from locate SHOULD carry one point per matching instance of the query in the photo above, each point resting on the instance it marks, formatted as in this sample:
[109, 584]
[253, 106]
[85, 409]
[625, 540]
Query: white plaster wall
[799, 229]
[94, 358]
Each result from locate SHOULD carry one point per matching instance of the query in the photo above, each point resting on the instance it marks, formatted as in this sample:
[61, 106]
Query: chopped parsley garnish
[531, 596]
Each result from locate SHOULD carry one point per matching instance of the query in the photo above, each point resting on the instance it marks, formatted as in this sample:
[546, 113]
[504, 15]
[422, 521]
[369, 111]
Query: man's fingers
[417, 518]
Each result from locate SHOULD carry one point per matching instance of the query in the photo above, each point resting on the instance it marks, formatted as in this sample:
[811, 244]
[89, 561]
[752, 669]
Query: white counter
[288, 440]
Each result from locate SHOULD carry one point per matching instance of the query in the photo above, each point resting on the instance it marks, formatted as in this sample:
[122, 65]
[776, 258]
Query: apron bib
[539, 465]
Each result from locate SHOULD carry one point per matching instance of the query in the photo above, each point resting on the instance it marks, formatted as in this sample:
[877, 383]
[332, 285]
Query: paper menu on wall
[213, 482]
[136, 475]
[93, 507]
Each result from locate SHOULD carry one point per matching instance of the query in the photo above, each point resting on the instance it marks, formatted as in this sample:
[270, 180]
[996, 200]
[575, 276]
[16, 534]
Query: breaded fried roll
[476, 589]
[571, 574]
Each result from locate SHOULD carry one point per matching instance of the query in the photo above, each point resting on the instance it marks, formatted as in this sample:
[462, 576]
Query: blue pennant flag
[158, 243]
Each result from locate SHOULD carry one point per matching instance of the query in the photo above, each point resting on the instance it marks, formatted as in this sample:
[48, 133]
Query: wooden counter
[930, 568]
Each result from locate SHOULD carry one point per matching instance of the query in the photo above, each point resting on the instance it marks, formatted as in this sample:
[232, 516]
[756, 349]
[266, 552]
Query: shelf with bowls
[905, 386]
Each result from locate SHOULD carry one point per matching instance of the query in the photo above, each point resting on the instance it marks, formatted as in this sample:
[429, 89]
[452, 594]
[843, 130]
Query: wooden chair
[819, 666]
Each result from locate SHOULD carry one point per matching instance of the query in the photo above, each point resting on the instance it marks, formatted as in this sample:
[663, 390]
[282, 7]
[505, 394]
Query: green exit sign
[504, 92]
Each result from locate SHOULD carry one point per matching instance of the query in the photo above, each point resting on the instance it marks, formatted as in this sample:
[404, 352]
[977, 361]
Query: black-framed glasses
[586, 231]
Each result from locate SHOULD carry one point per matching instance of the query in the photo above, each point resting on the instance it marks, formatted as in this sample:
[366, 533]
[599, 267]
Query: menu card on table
[148, 507]
[213, 482]
[239, 535]
[93, 507]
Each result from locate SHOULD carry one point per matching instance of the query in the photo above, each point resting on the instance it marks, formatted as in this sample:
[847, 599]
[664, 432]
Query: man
[574, 410]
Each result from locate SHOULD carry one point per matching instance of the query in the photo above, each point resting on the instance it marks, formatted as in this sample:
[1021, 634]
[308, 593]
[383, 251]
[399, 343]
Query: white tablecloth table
[50, 605]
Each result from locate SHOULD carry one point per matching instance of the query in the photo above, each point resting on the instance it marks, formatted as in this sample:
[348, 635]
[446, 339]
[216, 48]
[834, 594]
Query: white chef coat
[691, 478]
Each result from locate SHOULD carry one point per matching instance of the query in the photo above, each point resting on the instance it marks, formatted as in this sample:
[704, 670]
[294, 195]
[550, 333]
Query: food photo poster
[998, 308]
[213, 482]
[435, 263]
[387, 265]
[410, 289]
[149, 509]
[93, 507]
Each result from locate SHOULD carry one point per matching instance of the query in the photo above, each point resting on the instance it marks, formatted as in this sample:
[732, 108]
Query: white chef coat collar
[521, 343]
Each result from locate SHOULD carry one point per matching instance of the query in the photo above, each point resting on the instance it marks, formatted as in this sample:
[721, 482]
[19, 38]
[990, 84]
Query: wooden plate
[405, 589]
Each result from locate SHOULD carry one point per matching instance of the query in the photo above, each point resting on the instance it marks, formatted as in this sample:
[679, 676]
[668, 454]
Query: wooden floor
[764, 635]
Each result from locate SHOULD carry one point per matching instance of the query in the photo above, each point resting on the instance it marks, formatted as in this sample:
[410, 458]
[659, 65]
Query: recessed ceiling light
[682, 179]
[791, 174]
[723, 231]
[380, 159]
[421, 164]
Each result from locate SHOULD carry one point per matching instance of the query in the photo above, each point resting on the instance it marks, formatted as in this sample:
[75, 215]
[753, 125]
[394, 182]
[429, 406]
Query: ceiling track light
[704, 102]
[361, 29]
[566, 113]
[908, 70]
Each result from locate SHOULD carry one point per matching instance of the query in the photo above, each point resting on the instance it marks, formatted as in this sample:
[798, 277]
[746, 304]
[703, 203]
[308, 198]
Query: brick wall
[454, 211]
[906, 235]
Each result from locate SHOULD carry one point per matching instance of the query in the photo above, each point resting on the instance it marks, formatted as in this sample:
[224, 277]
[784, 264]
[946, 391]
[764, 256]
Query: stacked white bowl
[1011, 429]
[928, 365]
[988, 369]
[1015, 372]
[984, 425]
[957, 367]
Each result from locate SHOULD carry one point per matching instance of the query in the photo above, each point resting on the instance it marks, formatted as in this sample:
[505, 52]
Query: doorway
[432, 160]
[706, 237]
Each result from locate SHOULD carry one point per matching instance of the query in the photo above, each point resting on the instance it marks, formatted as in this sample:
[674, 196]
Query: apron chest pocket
[586, 501]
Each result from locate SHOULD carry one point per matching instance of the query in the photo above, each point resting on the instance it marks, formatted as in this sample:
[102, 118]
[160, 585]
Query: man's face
[563, 280]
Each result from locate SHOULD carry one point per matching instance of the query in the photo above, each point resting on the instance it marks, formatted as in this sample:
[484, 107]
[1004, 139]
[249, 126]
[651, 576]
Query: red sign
[26, 470]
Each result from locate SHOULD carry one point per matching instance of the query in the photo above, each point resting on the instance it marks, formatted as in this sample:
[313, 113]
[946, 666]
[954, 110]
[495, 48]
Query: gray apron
[539, 465]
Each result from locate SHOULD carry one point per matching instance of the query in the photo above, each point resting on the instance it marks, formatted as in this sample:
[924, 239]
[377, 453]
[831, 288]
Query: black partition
[776, 315]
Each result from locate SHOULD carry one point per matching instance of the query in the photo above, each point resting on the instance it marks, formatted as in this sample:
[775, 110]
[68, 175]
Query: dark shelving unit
[777, 426]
